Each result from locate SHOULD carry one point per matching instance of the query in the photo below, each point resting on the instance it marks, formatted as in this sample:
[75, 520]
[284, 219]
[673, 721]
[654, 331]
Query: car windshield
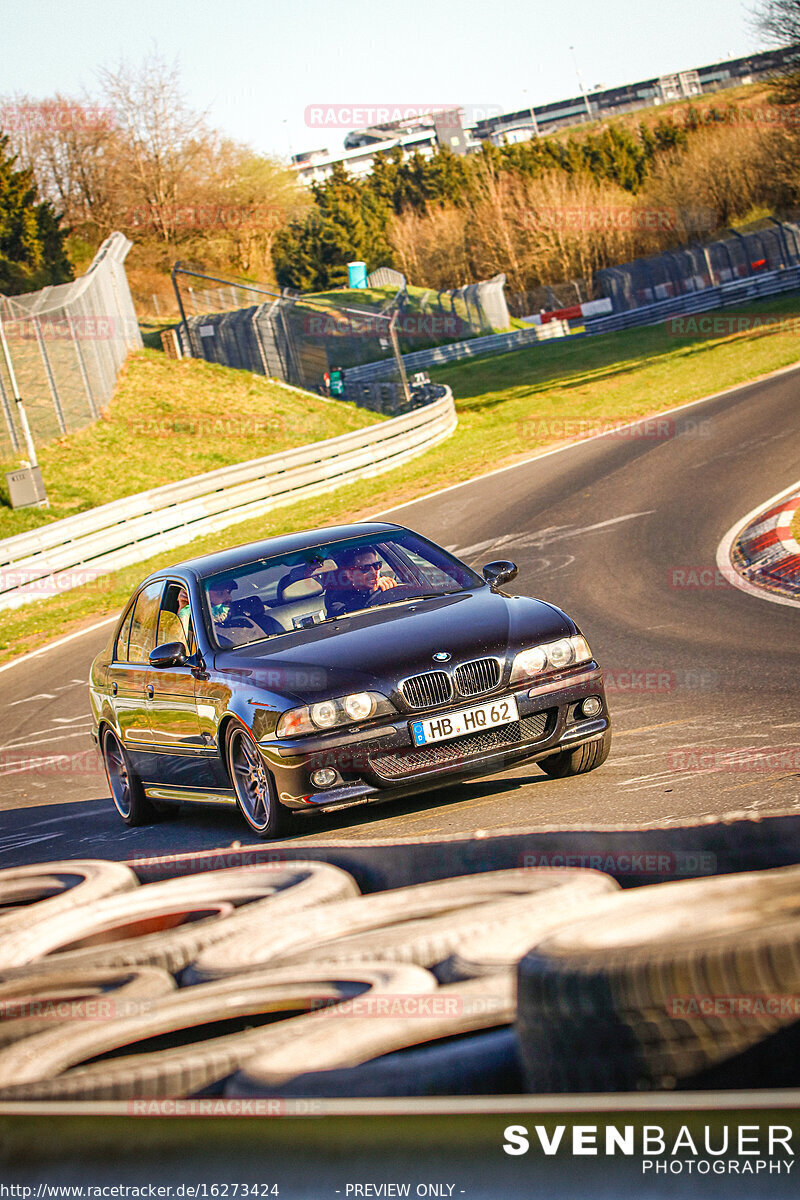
[328, 582]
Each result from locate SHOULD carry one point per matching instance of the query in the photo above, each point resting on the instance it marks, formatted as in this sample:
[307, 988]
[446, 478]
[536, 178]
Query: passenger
[220, 599]
[357, 576]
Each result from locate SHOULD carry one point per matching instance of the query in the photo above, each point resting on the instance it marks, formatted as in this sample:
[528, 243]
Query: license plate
[467, 720]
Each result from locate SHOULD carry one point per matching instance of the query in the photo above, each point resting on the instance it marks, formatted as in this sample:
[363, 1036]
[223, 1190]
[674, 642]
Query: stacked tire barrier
[285, 979]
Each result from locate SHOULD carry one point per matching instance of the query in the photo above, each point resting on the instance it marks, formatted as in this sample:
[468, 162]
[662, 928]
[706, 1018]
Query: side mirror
[171, 654]
[499, 572]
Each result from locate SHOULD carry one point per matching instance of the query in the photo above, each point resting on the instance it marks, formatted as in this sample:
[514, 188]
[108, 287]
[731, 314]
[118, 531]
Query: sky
[255, 66]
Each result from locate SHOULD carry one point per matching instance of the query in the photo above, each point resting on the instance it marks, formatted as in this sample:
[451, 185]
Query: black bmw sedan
[336, 666]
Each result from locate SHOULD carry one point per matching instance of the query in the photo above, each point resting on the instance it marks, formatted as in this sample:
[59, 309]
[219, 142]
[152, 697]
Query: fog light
[591, 707]
[326, 777]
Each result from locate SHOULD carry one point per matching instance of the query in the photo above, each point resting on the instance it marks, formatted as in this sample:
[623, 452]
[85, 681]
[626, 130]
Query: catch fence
[745, 254]
[64, 346]
[308, 340]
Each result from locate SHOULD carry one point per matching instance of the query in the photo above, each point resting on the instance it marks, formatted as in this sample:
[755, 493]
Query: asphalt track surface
[622, 532]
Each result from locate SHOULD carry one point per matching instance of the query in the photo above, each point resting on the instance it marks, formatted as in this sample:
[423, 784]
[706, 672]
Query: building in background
[422, 134]
[426, 133]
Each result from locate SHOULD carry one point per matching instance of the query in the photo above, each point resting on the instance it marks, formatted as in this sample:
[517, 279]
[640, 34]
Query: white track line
[23, 658]
[725, 565]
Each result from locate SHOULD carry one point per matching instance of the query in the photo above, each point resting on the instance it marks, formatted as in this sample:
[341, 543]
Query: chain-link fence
[474, 310]
[699, 266]
[64, 347]
[305, 342]
[550, 297]
[312, 342]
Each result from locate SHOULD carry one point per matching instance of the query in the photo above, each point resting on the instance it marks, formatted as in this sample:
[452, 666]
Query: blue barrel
[357, 274]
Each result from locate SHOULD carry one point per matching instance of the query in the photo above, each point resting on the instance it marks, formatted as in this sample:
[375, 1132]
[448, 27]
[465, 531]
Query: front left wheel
[126, 786]
[254, 786]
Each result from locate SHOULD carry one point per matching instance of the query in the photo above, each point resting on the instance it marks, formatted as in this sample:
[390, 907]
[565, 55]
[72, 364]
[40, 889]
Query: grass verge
[171, 419]
[510, 407]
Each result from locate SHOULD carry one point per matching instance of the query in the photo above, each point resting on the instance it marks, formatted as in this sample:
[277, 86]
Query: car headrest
[301, 589]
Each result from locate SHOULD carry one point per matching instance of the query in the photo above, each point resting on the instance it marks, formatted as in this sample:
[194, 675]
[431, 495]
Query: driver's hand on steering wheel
[383, 583]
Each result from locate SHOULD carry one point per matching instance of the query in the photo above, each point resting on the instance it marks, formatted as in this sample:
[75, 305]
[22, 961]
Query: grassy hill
[171, 419]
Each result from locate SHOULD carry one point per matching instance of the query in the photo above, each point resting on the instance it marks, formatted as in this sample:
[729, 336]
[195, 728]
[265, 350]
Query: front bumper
[380, 761]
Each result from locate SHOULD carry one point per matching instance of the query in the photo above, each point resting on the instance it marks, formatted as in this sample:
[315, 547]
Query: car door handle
[149, 690]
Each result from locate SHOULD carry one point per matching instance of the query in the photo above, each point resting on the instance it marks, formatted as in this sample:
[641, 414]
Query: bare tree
[161, 139]
[68, 144]
[779, 21]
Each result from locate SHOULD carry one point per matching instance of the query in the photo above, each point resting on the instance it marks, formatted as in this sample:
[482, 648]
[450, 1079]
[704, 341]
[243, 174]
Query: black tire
[125, 785]
[662, 983]
[256, 795]
[169, 924]
[587, 757]
[42, 1000]
[425, 919]
[58, 1064]
[482, 1064]
[42, 890]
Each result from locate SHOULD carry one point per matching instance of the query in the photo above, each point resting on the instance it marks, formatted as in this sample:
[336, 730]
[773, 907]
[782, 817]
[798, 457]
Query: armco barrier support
[33, 565]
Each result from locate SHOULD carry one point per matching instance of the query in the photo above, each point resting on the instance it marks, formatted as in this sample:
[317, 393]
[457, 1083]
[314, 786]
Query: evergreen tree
[32, 252]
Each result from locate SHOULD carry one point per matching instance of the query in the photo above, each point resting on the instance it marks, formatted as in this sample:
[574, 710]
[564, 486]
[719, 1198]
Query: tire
[460, 1009]
[256, 795]
[126, 787]
[43, 890]
[648, 991]
[479, 1064]
[36, 1003]
[368, 918]
[48, 1066]
[579, 761]
[169, 924]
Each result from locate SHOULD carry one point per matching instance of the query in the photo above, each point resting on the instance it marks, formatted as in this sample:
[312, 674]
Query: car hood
[374, 650]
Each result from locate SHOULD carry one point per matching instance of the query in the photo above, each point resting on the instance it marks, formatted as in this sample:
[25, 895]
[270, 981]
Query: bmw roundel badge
[441, 656]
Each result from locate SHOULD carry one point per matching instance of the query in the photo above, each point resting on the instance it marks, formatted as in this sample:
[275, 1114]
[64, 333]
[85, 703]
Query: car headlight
[323, 715]
[329, 714]
[553, 656]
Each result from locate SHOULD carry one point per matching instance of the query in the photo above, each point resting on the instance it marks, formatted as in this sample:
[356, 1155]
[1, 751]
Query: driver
[356, 578]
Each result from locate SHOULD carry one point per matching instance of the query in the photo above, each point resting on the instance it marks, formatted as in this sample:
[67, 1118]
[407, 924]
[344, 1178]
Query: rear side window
[121, 648]
[143, 625]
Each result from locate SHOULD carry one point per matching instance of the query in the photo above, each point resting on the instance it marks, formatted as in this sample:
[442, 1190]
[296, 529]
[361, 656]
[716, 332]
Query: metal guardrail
[36, 564]
[496, 343]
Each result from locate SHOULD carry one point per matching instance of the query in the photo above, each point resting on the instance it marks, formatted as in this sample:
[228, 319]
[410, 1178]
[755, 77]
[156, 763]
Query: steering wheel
[403, 591]
[249, 606]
